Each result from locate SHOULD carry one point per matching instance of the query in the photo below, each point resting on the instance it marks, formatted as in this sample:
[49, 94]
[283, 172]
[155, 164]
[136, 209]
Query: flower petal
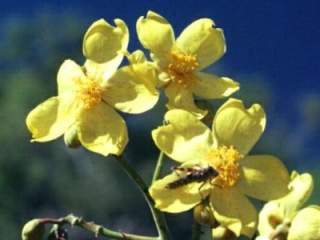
[132, 90]
[263, 177]
[100, 73]
[178, 199]
[210, 86]
[233, 210]
[184, 138]
[301, 187]
[285, 209]
[306, 224]
[102, 130]
[103, 43]
[271, 215]
[50, 119]
[155, 33]
[182, 98]
[69, 75]
[237, 126]
[202, 40]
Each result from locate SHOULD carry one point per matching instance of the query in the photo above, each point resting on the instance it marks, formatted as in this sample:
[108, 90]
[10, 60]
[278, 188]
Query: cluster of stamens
[90, 93]
[181, 68]
[225, 160]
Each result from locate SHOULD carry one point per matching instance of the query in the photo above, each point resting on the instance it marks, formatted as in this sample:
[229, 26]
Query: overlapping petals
[179, 61]
[185, 139]
[132, 89]
[180, 98]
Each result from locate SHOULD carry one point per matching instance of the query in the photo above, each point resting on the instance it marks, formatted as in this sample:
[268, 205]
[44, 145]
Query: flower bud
[71, 138]
[33, 230]
[203, 215]
[222, 233]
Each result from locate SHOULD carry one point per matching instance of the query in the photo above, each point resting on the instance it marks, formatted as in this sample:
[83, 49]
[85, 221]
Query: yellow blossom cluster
[215, 168]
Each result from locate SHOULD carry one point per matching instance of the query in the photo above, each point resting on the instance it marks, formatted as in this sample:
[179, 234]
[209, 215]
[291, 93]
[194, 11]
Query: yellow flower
[284, 217]
[180, 61]
[87, 95]
[225, 148]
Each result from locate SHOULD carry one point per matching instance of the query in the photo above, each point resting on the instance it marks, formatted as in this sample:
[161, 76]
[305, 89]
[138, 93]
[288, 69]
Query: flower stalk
[158, 169]
[158, 216]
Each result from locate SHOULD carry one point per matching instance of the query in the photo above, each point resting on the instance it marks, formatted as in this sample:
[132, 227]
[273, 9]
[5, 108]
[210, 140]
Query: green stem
[196, 231]
[158, 217]
[98, 230]
[158, 169]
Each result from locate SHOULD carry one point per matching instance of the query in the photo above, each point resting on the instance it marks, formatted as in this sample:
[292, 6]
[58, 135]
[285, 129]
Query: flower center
[90, 93]
[225, 160]
[182, 67]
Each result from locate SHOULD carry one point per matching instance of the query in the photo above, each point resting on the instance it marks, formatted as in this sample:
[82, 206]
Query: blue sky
[276, 39]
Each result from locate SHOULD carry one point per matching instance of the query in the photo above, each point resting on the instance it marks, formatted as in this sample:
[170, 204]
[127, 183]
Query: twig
[98, 230]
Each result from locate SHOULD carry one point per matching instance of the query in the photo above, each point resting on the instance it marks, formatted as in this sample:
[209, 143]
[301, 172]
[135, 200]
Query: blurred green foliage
[49, 180]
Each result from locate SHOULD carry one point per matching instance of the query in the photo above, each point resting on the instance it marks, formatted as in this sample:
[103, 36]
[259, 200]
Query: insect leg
[200, 193]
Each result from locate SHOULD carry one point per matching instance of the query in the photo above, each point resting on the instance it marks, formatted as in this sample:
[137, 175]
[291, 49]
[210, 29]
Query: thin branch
[157, 170]
[98, 230]
[158, 217]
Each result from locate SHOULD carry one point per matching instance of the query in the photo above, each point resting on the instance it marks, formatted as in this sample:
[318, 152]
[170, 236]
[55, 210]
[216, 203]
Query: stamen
[225, 160]
[90, 93]
[181, 68]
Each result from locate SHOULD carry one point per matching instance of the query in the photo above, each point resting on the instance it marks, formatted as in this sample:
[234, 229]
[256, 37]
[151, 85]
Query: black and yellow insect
[193, 174]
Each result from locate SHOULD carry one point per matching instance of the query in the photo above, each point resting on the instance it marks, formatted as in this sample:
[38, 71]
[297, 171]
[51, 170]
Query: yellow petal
[50, 119]
[210, 86]
[233, 210]
[184, 138]
[271, 215]
[137, 57]
[182, 98]
[102, 130]
[178, 199]
[263, 177]
[285, 209]
[69, 75]
[235, 125]
[155, 33]
[100, 73]
[301, 187]
[103, 42]
[202, 40]
[306, 224]
[132, 89]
